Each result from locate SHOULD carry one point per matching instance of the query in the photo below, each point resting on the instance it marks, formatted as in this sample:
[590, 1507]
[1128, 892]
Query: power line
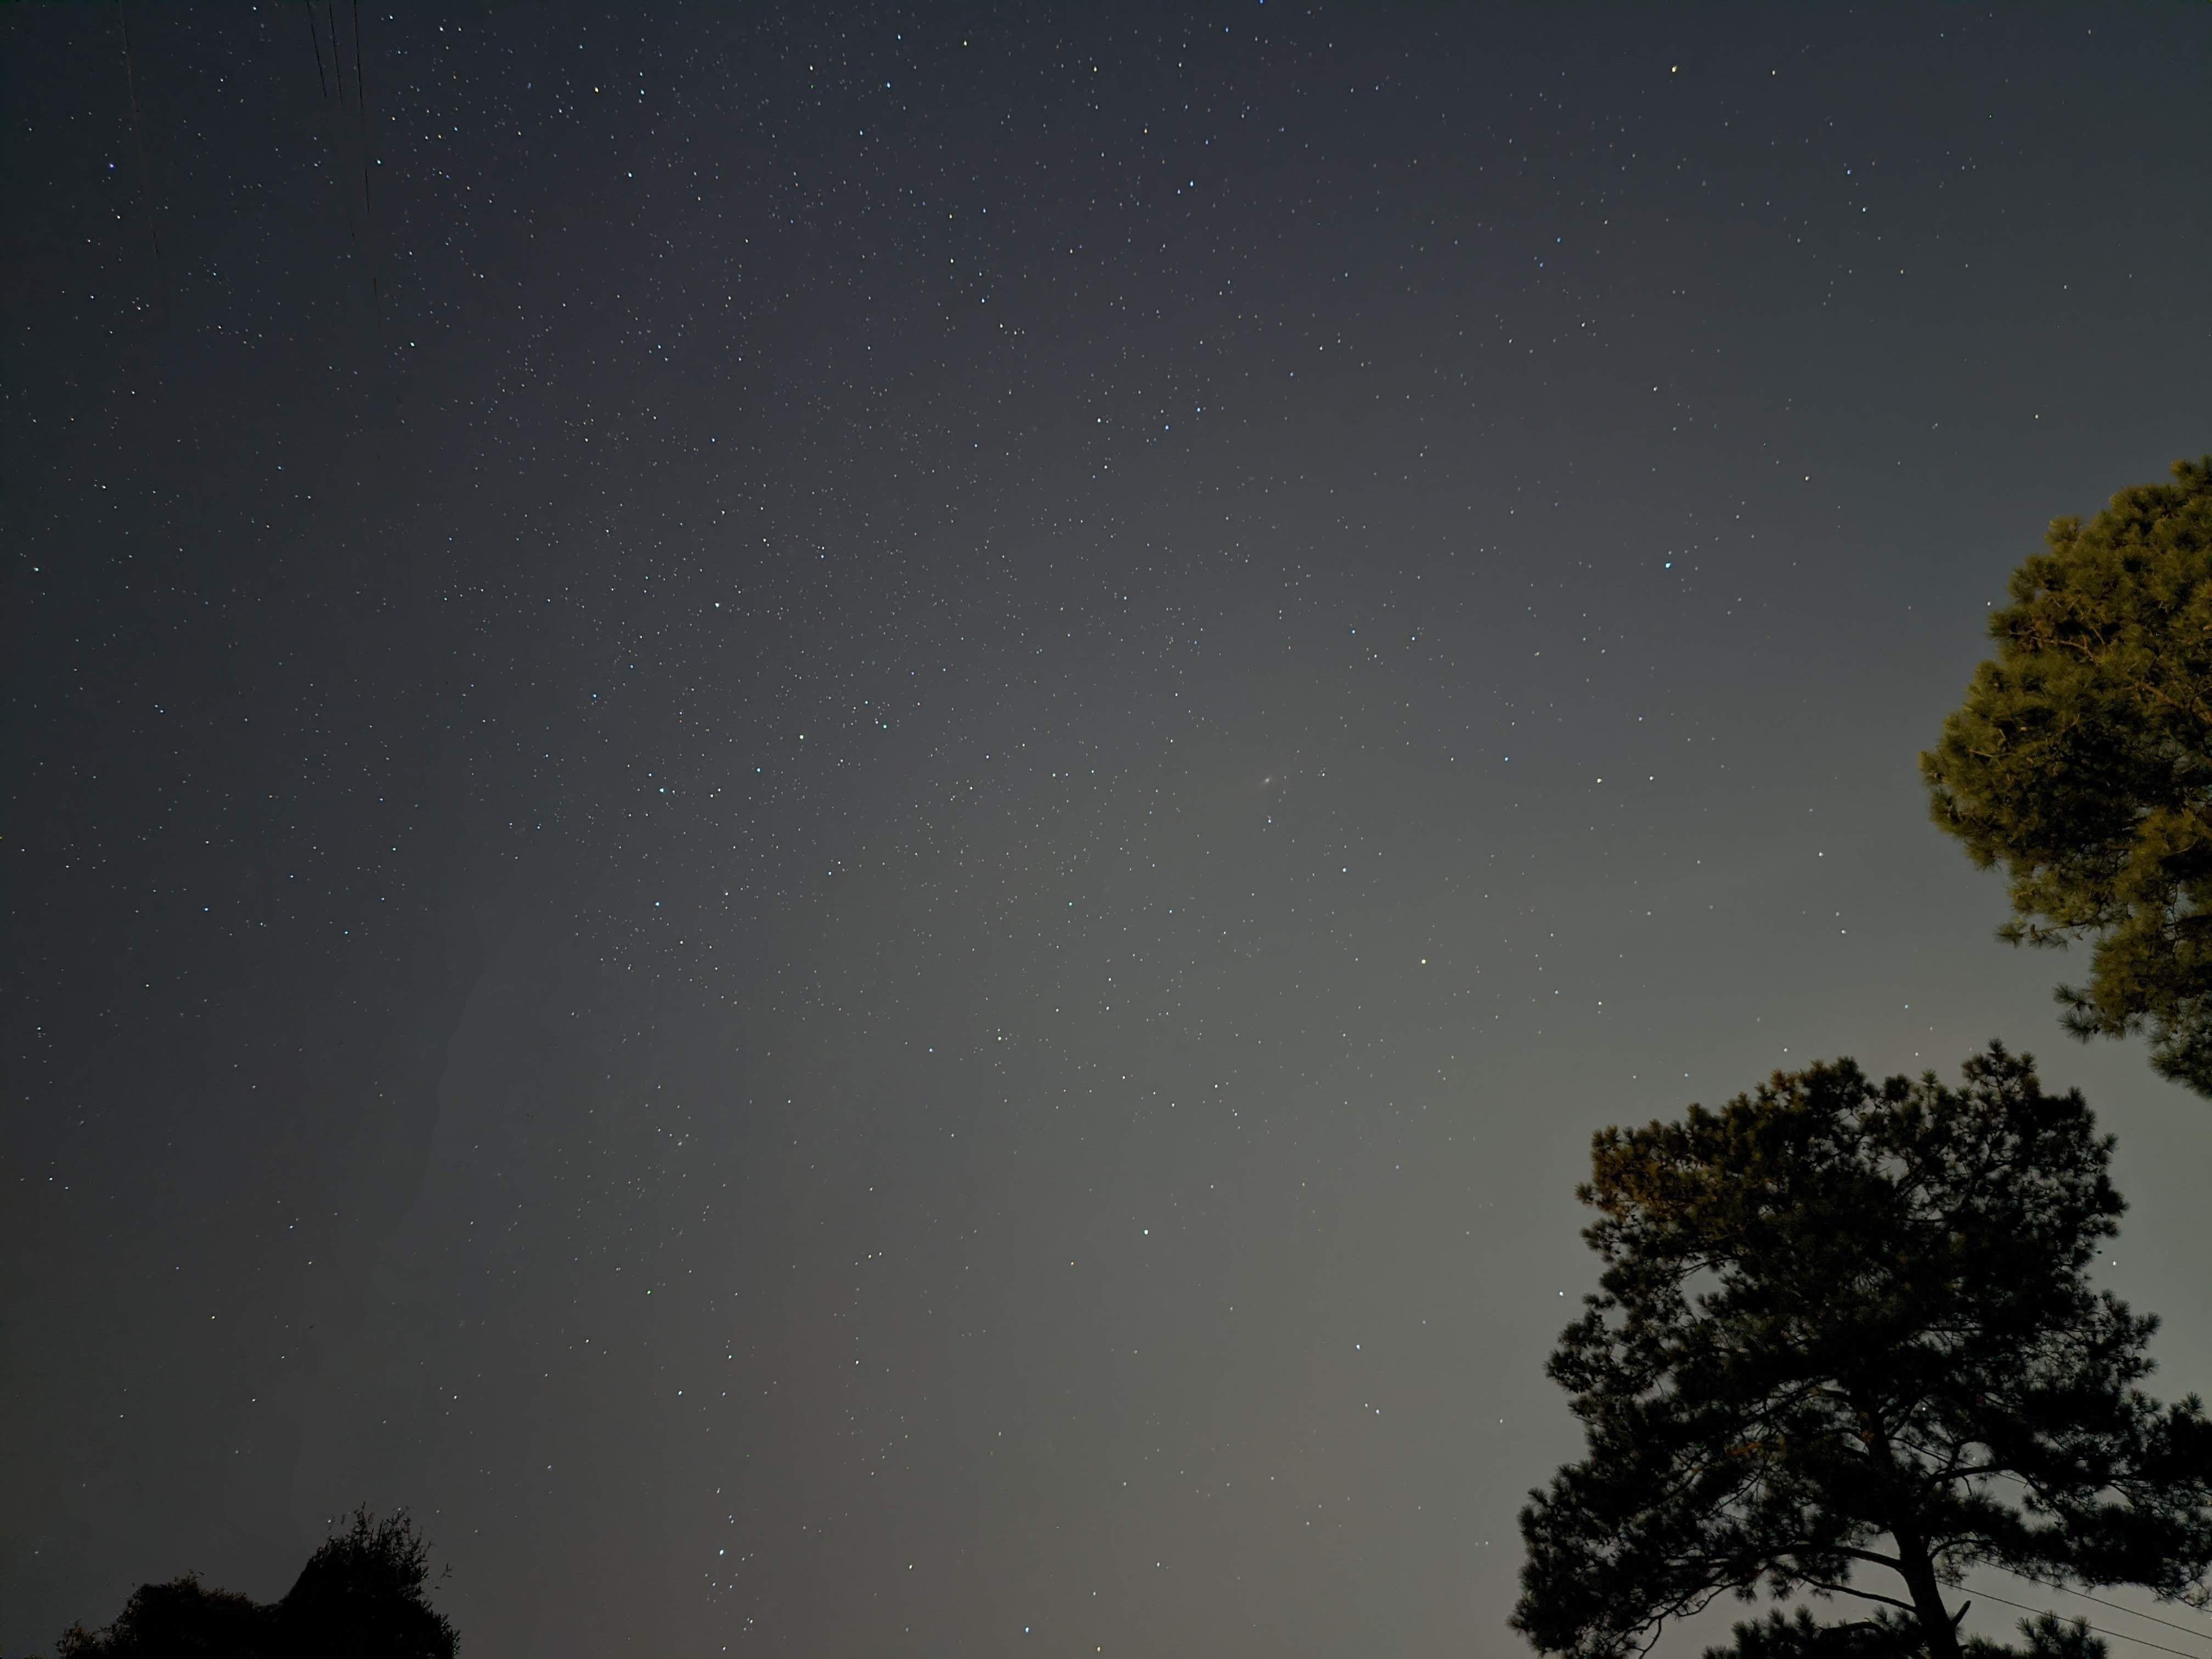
[316, 34]
[338, 65]
[2119, 1607]
[2183, 1653]
[2068, 1589]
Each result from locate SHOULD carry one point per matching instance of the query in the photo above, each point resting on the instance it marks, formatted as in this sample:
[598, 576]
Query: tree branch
[1873, 1556]
[1864, 1596]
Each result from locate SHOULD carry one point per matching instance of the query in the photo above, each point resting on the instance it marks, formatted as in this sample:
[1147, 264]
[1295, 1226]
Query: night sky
[842, 819]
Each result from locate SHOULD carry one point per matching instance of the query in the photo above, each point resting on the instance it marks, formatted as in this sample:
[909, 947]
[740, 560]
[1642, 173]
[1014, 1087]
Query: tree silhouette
[2081, 762]
[181, 1619]
[360, 1596]
[1845, 1327]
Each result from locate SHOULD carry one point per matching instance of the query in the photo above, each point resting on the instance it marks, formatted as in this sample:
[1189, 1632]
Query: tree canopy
[361, 1596]
[1844, 1349]
[2081, 762]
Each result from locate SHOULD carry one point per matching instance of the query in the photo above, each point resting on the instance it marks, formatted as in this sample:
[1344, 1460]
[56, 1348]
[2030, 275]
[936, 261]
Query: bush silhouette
[360, 1596]
[173, 1620]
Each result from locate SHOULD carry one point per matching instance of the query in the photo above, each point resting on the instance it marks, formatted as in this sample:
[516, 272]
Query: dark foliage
[2081, 762]
[1884, 1635]
[360, 1596]
[173, 1620]
[1846, 1326]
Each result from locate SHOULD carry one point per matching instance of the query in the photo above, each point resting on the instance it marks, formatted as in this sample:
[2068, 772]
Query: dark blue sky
[842, 819]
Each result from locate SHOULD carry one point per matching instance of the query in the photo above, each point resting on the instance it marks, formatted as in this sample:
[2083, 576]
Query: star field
[840, 818]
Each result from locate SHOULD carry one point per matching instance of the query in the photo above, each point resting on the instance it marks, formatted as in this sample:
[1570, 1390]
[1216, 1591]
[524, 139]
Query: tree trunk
[1940, 1634]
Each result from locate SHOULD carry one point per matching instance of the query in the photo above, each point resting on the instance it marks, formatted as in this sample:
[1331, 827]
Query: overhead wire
[2117, 1635]
[315, 34]
[338, 62]
[2204, 1635]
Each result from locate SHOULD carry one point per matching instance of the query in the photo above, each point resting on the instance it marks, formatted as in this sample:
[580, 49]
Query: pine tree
[1845, 1347]
[2081, 762]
